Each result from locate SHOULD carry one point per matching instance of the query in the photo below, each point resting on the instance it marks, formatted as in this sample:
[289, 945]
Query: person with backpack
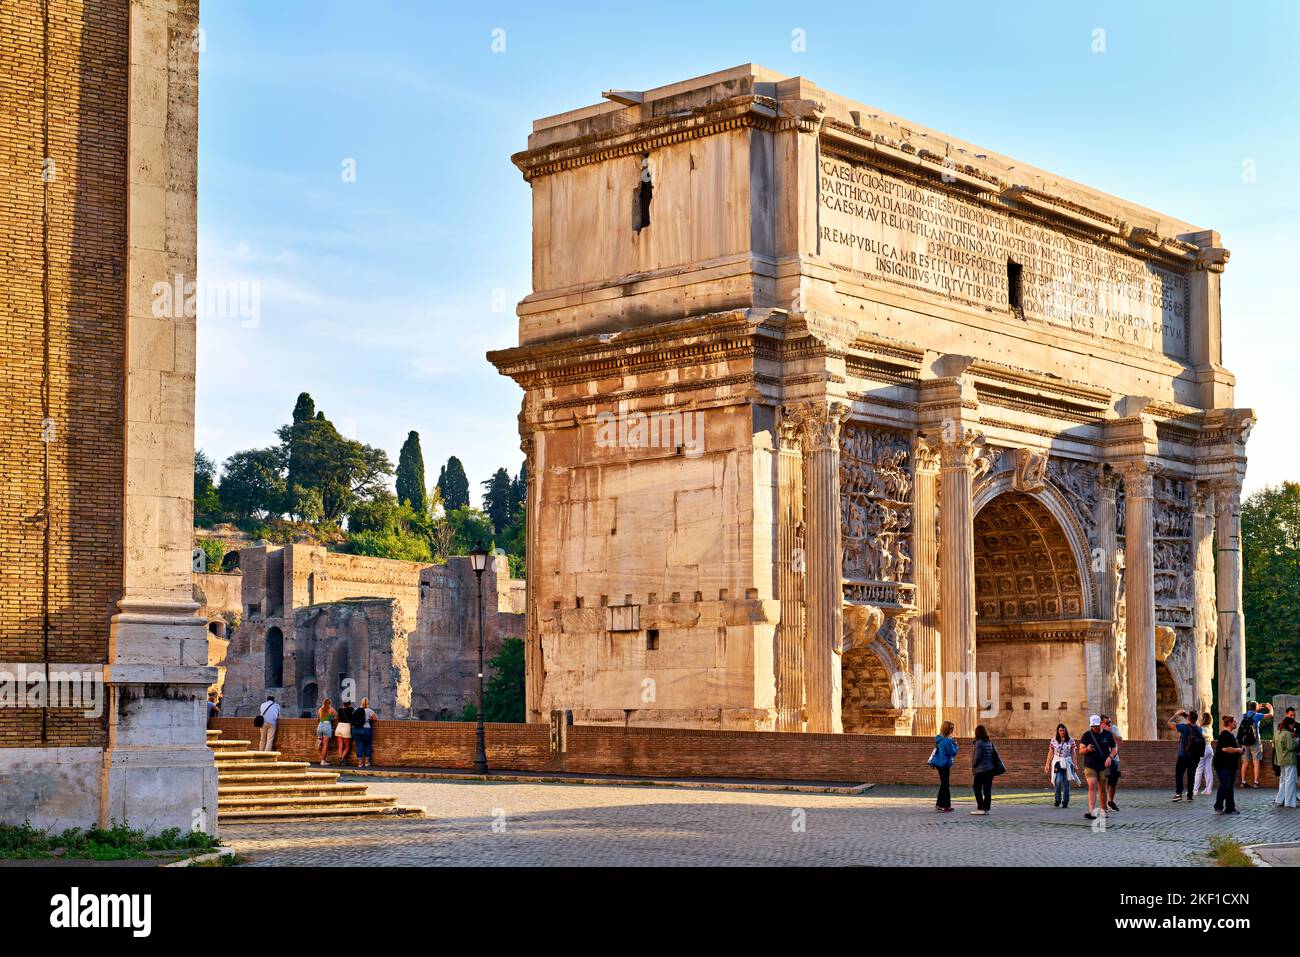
[941, 758]
[362, 732]
[1227, 752]
[268, 716]
[1205, 767]
[1248, 738]
[1113, 772]
[1189, 740]
[1284, 752]
[1060, 764]
[1096, 746]
[986, 765]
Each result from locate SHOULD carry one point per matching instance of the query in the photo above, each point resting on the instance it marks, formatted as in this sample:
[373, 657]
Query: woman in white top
[1060, 764]
[1205, 769]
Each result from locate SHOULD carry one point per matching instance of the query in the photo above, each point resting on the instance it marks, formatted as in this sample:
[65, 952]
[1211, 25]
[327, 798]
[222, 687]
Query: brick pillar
[157, 769]
[1139, 571]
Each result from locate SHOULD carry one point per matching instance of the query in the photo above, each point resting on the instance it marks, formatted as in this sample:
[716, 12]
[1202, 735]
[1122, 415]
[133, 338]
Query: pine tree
[410, 475]
[453, 485]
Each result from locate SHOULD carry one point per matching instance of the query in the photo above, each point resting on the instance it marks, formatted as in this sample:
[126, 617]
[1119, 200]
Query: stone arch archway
[1059, 508]
[1034, 602]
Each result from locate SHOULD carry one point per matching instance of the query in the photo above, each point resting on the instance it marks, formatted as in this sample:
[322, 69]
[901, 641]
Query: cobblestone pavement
[514, 824]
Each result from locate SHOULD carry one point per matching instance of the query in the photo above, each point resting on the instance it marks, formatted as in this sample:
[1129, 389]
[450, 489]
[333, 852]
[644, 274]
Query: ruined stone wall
[349, 650]
[432, 632]
[223, 594]
[79, 180]
[444, 646]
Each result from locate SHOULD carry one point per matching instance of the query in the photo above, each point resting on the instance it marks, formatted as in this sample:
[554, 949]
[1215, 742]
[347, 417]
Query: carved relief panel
[876, 512]
[1173, 552]
[1080, 483]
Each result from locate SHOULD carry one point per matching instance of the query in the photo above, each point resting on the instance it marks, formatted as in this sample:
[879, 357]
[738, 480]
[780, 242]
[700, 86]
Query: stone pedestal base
[157, 770]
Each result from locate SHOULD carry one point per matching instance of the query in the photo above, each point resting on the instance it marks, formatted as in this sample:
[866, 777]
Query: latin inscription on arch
[890, 229]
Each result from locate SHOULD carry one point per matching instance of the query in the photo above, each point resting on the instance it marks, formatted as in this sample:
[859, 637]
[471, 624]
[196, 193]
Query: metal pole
[480, 754]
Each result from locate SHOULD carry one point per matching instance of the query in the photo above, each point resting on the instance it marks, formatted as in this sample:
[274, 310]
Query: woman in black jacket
[983, 761]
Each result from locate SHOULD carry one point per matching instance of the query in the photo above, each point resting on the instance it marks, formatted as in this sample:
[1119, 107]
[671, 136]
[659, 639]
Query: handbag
[998, 766]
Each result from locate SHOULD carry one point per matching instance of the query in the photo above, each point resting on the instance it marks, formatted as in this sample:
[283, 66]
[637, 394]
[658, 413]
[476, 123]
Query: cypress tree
[304, 408]
[453, 485]
[410, 475]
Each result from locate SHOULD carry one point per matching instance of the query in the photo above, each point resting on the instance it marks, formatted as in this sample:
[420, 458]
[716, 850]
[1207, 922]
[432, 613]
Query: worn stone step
[289, 800]
[292, 815]
[213, 735]
[246, 755]
[248, 767]
[227, 744]
[275, 790]
[276, 777]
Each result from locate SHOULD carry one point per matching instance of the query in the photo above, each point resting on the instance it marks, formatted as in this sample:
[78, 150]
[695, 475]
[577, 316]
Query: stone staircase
[257, 787]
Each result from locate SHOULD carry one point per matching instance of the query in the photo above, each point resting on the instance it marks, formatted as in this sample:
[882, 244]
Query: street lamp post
[478, 560]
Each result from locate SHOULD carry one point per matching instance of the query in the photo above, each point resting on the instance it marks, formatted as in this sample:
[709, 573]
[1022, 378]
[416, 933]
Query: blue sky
[380, 296]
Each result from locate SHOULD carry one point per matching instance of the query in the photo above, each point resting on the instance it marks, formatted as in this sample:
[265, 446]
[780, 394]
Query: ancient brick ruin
[305, 623]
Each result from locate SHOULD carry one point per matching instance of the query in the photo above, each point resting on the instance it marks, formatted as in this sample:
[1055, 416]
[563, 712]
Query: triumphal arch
[836, 423]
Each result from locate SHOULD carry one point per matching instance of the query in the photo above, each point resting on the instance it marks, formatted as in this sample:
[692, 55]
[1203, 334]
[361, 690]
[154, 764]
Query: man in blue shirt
[1249, 739]
[1185, 723]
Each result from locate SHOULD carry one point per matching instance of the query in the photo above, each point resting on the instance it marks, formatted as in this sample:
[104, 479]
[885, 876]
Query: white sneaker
[979, 813]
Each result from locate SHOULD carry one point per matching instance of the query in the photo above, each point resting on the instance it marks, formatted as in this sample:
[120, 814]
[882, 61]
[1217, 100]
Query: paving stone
[524, 824]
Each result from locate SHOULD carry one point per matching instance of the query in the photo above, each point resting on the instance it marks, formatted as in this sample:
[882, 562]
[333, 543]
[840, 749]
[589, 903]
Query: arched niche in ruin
[307, 698]
[274, 658]
[867, 692]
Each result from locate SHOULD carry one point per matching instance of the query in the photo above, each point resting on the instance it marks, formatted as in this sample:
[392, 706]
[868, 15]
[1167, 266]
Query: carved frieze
[1172, 551]
[876, 504]
[1080, 483]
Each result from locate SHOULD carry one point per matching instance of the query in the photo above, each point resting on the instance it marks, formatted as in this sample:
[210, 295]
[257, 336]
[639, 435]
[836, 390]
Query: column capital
[925, 454]
[1227, 495]
[961, 447]
[789, 428]
[820, 423]
[1139, 479]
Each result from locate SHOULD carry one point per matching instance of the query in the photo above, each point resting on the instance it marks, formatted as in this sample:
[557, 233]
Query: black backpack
[358, 718]
[1247, 736]
[1196, 744]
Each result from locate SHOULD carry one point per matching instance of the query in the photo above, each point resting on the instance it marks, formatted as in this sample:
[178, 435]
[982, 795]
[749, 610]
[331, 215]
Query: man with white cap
[1096, 746]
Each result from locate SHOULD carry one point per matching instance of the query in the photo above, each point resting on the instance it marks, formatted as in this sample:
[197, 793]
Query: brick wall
[87, 292]
[673, 752]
